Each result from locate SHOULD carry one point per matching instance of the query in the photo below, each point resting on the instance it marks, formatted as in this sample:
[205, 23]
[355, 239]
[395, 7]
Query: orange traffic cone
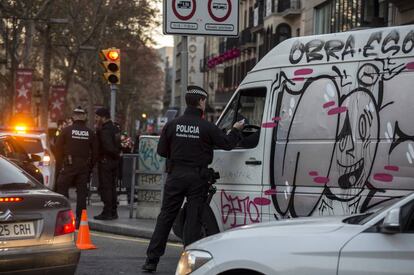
[84, 239]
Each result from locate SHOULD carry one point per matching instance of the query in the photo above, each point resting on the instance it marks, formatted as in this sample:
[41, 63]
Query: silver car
[36, 226]
[379, 243]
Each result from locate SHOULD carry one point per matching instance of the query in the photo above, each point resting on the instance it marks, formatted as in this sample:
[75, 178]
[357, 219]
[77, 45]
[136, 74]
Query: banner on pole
[23, 93]
[57, 103]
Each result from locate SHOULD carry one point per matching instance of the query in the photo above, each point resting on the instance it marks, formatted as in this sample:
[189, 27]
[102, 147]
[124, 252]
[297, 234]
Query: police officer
[187, 142]
[109, 155]
[77, 150]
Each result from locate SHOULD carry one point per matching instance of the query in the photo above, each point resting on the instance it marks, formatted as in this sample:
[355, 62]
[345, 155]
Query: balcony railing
[289, 7]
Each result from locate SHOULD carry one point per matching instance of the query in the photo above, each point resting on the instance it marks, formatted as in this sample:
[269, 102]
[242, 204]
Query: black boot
[150, 265]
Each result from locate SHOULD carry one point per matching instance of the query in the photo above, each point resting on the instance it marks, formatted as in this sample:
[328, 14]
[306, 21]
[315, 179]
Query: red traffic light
[113, 55]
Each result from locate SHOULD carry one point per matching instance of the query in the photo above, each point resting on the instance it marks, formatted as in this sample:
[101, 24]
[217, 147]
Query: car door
[238, 199]
[373, 252]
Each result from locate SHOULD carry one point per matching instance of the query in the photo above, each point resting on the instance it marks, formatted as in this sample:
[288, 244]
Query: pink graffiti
[328, 104]
[313, 173]
[270, 192]
[392, 168]
[239, 211]
[298, 79]
[321, 180]
[337, 110]
[261, 201]
[410, 66]
[269, 125]
[278, 118]
[303, 72]
[383, 177]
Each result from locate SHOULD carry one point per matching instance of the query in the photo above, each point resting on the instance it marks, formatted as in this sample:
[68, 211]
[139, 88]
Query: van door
[238, 200]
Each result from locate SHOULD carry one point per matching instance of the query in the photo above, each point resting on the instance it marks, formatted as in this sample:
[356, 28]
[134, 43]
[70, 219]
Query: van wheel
[241, 272]
[209, 224]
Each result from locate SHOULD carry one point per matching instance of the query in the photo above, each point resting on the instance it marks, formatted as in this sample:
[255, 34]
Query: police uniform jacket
[190, 140]
[109, 141]
[77, 141]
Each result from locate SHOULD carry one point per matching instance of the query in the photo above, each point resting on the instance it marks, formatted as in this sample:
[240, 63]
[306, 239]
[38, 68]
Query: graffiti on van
[238, 211]
[333, 50]
[361, 147]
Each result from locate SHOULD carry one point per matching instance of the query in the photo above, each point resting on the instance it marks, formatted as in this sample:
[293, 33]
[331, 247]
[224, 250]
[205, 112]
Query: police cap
[103, 112]
[79, 111]
[196, 90]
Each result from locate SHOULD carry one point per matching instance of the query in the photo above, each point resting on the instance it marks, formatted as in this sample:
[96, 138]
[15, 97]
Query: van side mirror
[391, 223]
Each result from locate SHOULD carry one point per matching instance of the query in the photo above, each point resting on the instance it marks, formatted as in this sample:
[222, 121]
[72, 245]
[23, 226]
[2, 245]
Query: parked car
[36, 226]
[380, 243]
[14, 152]
[35, 142]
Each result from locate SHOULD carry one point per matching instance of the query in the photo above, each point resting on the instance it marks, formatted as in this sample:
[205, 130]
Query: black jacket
[78, 141]
[190, 140]
[109, 141]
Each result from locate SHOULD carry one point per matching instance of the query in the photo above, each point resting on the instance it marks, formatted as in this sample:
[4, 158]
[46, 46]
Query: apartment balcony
[403, 5]
[289, 8]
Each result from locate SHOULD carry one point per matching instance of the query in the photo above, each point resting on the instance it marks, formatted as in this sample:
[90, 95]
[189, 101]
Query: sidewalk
[133, 227]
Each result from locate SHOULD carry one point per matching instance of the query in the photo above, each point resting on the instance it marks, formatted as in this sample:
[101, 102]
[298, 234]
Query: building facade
[195, 50]
[167, 55]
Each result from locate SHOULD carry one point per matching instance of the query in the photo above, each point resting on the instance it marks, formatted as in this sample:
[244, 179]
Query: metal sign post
[184, 71]
[113, 100]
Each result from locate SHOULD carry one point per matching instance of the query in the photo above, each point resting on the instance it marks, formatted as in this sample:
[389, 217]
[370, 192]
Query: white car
[372, 243]
[36, 143]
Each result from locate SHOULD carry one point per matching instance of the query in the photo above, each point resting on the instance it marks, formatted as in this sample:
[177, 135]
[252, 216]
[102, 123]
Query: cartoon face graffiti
[356, 144]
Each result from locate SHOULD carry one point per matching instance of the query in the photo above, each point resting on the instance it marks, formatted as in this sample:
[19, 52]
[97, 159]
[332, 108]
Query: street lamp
[144, 115]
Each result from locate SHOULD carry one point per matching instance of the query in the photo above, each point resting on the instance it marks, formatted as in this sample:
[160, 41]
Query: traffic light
[111, 62]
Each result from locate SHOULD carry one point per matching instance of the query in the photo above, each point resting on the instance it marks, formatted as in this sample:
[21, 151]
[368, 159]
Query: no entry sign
[201, 17]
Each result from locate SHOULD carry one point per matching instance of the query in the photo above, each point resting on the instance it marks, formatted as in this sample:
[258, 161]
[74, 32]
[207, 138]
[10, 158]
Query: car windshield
[30, 145]
[12, 178]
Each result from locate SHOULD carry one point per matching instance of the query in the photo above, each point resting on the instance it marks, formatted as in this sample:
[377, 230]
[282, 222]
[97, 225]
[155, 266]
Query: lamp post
[37, 99]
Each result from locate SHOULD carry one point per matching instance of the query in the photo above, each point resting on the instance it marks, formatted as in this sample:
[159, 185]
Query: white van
[330, 129]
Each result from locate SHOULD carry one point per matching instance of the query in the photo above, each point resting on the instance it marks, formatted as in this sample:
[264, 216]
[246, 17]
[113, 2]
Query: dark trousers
[107, 173]
[181, 182]
[76, 175]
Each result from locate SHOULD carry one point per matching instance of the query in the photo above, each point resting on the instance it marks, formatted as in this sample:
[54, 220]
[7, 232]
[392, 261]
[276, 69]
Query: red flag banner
[23, 100]
[57, 103]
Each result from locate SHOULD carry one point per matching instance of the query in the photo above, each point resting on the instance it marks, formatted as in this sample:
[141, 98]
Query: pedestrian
[77, 151]
[187, 142]
[109, 156]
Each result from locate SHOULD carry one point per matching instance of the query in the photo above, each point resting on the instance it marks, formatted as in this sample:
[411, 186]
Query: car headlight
[192, 260]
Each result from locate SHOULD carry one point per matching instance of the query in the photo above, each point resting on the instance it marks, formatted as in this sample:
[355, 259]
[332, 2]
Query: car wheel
[241, 272]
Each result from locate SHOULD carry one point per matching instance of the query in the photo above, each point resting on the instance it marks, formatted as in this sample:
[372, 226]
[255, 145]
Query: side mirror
[35, 158]
[391, 224]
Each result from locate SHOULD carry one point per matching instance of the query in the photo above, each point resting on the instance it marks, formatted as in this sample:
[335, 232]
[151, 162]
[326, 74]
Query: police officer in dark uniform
[187, 142]
[109, 138]
[77, 150]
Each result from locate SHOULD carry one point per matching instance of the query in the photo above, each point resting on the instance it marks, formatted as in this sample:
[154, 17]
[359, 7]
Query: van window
[248, 105]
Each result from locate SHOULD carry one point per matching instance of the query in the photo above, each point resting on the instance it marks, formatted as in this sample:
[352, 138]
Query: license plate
[16, 230]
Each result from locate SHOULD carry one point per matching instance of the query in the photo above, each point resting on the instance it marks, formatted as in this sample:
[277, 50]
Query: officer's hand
[239, 124]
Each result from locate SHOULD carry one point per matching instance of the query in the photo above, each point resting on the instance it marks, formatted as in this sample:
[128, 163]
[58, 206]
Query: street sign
[201, 17]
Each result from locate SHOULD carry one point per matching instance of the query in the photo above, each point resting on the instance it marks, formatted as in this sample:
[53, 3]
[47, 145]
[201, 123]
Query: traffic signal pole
[114, 89]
